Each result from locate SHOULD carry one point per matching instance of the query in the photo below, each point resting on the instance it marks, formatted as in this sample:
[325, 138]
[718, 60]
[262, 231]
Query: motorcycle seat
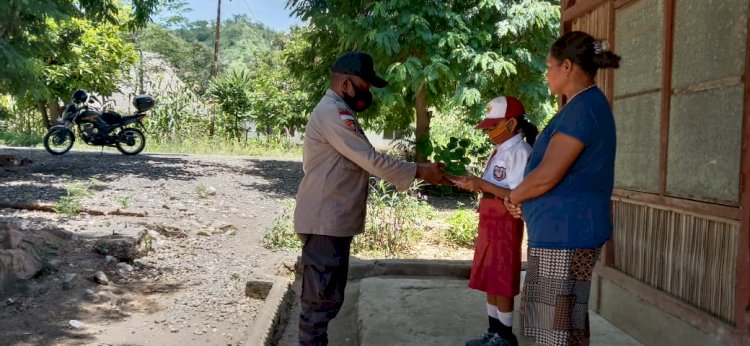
[128, 117]
[111, 117]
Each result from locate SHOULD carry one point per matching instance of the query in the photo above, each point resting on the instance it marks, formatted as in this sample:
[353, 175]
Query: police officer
[337, 162]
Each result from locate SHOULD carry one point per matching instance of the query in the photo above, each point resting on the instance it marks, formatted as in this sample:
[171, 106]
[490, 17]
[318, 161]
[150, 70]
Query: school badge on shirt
[499, 173]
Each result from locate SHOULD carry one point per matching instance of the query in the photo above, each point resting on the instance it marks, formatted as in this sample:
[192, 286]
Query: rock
[125, 248]
[90, 293]
[19, 264]
[110, 259]
[203, 233]
[224, 227]
[211, 191]
[14, 161]
[258, 289]
[69, 281]
[125, 266]
[76, 324]
[54, 263]
[101, 278]
[10, 236]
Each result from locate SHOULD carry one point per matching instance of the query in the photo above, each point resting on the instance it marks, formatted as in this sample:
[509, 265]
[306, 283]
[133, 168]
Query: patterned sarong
[555, 301]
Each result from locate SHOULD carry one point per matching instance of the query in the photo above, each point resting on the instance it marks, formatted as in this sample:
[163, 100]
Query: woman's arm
[562, 152]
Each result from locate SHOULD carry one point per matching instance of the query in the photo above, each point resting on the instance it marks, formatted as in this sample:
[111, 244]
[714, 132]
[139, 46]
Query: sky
[272, 13]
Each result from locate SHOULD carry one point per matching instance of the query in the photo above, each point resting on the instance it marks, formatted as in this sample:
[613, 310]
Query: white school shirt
[507, 163]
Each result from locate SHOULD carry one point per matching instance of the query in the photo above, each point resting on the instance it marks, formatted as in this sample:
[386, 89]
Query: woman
[565, 194]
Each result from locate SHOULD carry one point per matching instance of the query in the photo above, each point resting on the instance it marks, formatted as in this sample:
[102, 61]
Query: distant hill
[189, 49]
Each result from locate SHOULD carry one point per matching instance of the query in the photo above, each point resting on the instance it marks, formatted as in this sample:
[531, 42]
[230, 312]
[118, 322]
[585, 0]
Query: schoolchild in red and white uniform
[496, 268]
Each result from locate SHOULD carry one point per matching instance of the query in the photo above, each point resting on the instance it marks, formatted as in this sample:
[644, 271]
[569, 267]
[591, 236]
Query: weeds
[123, 201]
[21, 139]
[204, 191]
[271, 146]
[282, 235]
[463, 228]
[72, 203]
[395, 220]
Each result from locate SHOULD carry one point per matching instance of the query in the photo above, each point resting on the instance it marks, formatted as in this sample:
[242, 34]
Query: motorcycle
[98, 127]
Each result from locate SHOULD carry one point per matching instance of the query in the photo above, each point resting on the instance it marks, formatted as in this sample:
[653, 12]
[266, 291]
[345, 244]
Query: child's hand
[468, 182]
[514, 209]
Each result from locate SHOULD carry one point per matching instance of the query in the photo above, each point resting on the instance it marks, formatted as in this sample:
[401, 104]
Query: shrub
[463, 228]
[394, 220]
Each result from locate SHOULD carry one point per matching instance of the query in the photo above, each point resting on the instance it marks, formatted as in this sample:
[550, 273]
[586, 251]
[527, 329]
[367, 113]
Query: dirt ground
[208, 215]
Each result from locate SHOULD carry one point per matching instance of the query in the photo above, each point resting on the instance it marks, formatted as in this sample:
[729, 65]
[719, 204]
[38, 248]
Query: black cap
[358, 64]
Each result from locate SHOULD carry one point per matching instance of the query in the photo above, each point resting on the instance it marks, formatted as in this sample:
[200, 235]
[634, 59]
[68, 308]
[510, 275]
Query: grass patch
[281, 236]
[267, 147]
[123, 201]
[21, 139]
[72, 203]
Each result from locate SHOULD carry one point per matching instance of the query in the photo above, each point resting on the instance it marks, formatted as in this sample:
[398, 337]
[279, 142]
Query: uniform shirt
[337, 162]
[506, 165]
[575, 214]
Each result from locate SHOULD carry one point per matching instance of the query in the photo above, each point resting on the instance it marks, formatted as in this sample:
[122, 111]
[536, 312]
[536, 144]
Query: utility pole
[215, 69]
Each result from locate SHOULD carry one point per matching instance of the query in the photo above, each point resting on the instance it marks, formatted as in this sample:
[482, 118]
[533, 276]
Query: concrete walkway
[423, 311]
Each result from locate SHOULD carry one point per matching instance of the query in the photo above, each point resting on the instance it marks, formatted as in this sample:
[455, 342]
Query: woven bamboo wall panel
[596, 23]
[690, 257]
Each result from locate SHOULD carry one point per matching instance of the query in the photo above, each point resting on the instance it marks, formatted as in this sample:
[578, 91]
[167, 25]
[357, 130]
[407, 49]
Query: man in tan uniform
[337, 162]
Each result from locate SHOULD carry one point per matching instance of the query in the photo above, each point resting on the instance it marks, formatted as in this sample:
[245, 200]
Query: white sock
[492, 310]
[506, 318]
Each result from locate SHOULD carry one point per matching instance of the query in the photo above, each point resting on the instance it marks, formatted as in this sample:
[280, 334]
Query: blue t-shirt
[575, 214]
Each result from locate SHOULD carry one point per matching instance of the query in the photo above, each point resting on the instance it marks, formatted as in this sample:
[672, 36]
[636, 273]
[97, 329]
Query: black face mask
[361, 100]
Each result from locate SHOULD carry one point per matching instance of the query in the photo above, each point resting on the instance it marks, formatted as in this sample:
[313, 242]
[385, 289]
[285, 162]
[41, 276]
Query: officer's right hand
[432, 173]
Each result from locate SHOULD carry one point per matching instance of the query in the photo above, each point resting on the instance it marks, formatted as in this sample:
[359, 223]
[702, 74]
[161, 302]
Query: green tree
[25, 43]
[231, 93]
[277, 100]
[439, 53]
[97, 60]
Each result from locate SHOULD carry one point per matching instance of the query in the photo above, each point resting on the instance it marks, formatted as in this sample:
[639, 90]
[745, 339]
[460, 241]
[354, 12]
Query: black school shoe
[483, 340]
[504, 340]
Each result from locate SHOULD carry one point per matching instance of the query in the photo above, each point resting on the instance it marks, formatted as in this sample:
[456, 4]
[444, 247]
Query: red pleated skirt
[496, 268]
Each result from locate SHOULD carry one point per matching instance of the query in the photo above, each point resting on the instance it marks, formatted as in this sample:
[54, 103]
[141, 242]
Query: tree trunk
[43, 111]
[422, 131]
[55, 110]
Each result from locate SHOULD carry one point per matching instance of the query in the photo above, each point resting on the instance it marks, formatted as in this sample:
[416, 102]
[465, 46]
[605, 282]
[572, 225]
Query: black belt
[488, 195]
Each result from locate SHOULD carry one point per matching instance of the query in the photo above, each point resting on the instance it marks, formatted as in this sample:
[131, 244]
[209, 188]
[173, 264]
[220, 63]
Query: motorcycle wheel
[58, 140]
[131, 141]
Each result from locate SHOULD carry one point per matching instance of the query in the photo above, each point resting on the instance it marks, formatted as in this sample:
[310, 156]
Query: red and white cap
[502, 107]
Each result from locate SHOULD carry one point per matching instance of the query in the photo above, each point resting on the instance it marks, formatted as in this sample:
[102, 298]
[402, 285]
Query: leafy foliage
[26, 43]
[231, 93]
[453, 155]
[96, 61]
[451, 53]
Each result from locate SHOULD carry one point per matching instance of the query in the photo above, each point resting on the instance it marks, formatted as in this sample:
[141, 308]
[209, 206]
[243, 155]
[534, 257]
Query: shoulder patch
[350, 121]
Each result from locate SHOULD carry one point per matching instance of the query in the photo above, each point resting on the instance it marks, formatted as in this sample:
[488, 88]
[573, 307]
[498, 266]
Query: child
[496, 269]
